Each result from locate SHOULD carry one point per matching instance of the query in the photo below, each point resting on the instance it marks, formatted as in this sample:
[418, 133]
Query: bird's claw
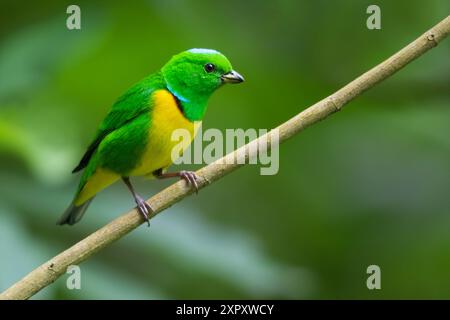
[144, 208]
[191, 179]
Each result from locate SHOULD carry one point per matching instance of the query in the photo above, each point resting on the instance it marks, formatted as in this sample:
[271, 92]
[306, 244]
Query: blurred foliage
[370, 185]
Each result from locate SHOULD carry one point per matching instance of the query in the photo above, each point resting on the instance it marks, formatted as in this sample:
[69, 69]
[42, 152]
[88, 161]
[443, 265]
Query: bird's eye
[209, 67]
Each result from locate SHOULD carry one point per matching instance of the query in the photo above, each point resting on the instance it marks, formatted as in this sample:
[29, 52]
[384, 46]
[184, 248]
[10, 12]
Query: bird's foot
[144, 208]
[189, 176]
[191, 179]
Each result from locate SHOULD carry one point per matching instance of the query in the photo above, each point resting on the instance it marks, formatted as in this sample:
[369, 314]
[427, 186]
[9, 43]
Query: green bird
[134, 139]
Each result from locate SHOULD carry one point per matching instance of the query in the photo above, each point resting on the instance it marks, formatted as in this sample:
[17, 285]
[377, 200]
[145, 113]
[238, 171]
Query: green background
[369, 185]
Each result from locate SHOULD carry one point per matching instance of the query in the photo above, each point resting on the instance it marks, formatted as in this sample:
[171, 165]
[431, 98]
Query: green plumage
[123, 136]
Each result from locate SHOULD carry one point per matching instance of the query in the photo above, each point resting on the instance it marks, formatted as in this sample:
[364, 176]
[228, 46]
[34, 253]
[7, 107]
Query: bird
[134, 138]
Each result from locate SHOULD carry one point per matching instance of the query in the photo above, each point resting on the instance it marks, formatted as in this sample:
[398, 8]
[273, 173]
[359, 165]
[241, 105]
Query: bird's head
[196, 73]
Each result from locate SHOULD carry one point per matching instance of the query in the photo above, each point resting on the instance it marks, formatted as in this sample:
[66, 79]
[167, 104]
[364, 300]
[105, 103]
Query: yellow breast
[166, 118]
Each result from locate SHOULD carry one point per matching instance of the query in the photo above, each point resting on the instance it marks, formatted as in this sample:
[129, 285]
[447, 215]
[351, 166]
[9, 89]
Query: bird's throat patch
[166, 107]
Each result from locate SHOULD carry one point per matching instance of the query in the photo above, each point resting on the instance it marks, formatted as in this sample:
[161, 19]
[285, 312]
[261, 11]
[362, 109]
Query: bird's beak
[232, 77]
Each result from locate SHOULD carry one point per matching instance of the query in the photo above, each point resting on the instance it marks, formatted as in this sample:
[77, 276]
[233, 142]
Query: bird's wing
[128, 107]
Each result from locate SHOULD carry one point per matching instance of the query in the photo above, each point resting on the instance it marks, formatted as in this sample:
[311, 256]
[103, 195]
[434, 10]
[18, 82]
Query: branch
[54, 268]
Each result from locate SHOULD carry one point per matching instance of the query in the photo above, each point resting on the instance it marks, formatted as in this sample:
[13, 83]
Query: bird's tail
[74, 213]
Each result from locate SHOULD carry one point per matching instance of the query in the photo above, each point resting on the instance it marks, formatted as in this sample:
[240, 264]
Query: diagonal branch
[54, 268]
